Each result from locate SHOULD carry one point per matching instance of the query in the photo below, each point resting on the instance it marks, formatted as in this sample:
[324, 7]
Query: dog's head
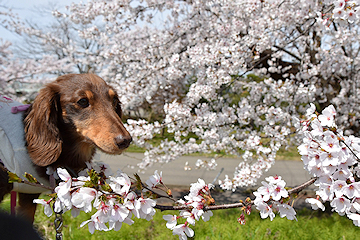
[79, 110]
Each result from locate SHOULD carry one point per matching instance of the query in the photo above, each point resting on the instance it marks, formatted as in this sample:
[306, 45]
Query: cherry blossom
[119, 212]
[154, 179]
[265, 210]
[121, 184]
[269, 195]
[63, 189]
[327, 116]
[340, 205]
[146, 206]
[355, 218]
[183, 231]
[47, 207]
[352, 190]
[279, 191]
[171, 221]
[315, 204]
[82, 198]
[286, 210]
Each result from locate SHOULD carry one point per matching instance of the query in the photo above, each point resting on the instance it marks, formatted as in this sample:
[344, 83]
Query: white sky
[26, 9]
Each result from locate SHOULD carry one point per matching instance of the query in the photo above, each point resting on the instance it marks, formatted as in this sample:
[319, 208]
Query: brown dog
[68, 120]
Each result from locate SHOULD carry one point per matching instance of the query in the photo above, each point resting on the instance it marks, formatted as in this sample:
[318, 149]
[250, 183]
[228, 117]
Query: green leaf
[106, 187]
[14, 178]
[94, 177]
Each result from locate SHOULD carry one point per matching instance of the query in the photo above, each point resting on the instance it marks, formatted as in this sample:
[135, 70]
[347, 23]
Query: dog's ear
[41, 132]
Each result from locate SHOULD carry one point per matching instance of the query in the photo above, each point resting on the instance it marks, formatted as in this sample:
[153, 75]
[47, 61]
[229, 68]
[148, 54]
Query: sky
[27, 9]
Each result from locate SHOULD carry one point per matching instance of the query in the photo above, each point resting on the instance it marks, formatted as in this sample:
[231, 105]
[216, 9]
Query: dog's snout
[123, 141]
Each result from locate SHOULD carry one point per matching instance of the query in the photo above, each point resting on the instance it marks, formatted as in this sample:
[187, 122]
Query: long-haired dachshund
[68, 120]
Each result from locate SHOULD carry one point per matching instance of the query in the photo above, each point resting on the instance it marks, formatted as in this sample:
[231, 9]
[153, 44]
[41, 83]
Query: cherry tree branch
[296, 189]
[357, 158]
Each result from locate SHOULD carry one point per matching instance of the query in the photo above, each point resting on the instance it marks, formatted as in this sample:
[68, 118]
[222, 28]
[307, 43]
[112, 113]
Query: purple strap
[20, 108]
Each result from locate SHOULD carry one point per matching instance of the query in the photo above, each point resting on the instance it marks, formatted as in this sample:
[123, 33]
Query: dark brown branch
[357, 158]
[302, 186]
[288, 52]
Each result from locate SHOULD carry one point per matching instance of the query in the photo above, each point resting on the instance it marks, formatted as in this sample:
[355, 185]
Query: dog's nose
[123, 141]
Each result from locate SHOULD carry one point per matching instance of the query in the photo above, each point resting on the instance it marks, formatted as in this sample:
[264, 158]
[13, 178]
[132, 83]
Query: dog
[68, 120]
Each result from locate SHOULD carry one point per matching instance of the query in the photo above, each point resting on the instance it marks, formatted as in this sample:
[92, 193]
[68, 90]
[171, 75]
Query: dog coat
[13, 152]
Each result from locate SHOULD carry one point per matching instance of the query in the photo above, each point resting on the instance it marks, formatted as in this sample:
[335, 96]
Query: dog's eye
[115, 102]
[117, 105]
[84, 102]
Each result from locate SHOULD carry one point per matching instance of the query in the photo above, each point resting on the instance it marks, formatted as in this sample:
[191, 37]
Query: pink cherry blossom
[279, 191]
[119, 212]
[146, 207]
[340, 205]
[266, 191]
[352, 190]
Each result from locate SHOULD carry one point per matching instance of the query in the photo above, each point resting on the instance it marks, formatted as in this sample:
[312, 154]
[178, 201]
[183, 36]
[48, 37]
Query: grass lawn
[223, 225]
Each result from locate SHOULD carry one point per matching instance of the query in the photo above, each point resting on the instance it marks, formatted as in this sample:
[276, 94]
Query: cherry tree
[224, 75]
[22, 75]
[232, 76]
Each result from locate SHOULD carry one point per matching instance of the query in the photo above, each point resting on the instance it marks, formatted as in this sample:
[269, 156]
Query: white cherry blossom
[315, 204]
[171, 221]
[47, 207]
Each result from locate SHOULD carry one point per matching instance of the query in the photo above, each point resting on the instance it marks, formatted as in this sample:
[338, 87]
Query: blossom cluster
[332, 158]
[115, 201]
[112, 197]
[271, 195]
[198, 198]
[345, 10]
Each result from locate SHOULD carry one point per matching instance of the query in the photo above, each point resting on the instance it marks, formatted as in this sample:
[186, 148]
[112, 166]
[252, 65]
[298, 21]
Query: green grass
[223, 225]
